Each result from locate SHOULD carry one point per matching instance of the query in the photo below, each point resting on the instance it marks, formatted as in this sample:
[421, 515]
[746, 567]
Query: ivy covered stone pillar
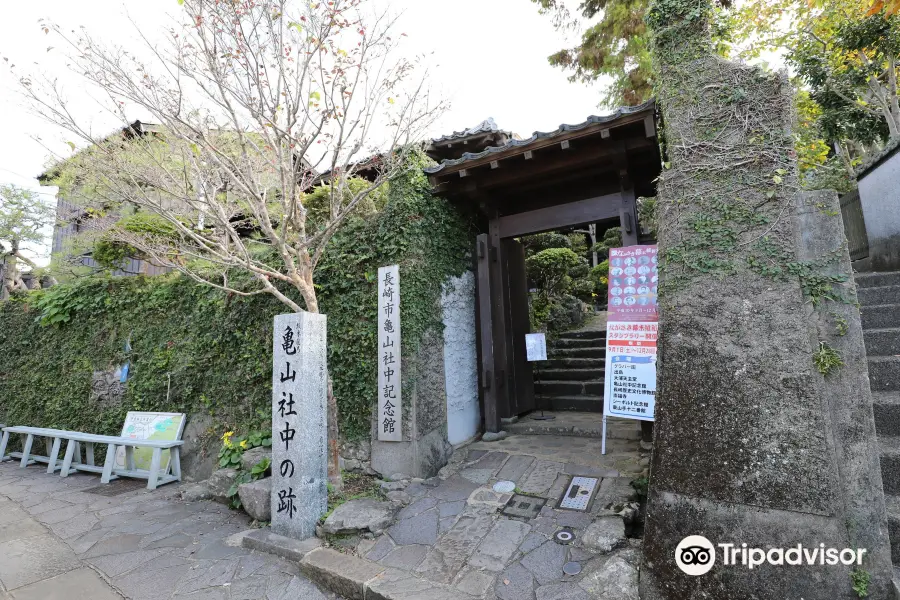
[764, 428]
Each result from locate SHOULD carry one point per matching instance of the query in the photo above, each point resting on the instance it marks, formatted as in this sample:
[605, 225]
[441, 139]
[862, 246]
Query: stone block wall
[879, 192]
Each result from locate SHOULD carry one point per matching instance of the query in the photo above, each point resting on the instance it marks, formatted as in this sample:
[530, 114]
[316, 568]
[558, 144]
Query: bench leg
[53, 454]
[108, 464]
[76, 458]
[175, 462]
[48, 443]
[67, 461]
[129, 458]
[153, 481]
[4, 442]
[89, 452]
[26, 451]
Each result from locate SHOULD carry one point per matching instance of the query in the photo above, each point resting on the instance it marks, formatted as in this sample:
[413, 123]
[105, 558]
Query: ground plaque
[299, 427]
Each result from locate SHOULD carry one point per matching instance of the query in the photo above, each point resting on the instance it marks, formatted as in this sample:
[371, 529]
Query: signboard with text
[390, 423]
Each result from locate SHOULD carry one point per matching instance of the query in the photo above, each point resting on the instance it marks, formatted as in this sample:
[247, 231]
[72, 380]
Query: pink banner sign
[633, 281]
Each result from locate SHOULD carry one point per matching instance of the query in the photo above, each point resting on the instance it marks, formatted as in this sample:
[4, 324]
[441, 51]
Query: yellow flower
[243, 443]
[227, 435]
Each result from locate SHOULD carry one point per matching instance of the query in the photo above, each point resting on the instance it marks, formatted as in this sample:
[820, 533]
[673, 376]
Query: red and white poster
[631, 333]
[633, 281]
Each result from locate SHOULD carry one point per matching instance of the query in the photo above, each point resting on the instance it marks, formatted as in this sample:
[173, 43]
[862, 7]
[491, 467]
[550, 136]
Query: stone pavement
[60, 542]
[451, 540]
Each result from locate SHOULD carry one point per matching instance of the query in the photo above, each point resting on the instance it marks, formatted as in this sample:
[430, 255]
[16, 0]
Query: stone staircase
[572, 377]
[879, 298]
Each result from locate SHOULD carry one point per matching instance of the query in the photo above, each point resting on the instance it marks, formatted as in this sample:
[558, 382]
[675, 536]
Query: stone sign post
[299, 424]
[390, 394]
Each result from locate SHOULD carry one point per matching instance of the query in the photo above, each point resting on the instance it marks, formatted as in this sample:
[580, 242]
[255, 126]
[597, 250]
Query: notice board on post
[631, 333]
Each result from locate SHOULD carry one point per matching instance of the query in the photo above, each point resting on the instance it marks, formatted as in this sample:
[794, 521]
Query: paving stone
[577, 554]
[83, 543]
[23, 528]
[80, 583]
[445, 524]
[420, 529]
[297, 588]
[515, 468]
[450, 509]
[114, 565]
[541, 477]
[515, 583]
[474, 455]
[451, 551]
[405, 557]
[563, 591]
[74, 527]
[178, 540]
[208, 574]
[546, 562]
[116, 544]
[27, 560]
[589, 471]
[217, 550]
[416, 489]
[454, 489]
[216, 593]
[560, 484]
[499, 545]
[532, 541]
[568, 518]
[615, 578]
[474, 582]
[417, 507]
[382, 548]
[604, 534]
[479, 476]
[396, 584]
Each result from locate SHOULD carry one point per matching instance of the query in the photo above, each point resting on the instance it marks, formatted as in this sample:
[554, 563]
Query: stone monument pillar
[299, 424]
[764, 427]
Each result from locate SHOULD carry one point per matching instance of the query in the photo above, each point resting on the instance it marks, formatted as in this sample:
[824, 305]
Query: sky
[489, 57]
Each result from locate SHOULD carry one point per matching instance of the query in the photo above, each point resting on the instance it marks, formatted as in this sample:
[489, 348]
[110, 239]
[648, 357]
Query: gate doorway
[578, 174]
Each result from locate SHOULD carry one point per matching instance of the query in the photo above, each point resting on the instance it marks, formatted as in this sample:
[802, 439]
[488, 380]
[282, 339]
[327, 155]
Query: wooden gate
[854, 225]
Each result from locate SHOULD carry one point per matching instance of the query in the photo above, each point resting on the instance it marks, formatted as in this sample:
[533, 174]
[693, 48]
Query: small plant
[356, 486]
[258, 471]
[234, 447]
[860, 579]
[841, 325]
[641, 485]
[827, 359]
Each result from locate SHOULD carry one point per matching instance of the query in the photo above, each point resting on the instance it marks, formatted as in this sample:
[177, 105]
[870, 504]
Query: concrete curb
[266, 541]
[360, 579]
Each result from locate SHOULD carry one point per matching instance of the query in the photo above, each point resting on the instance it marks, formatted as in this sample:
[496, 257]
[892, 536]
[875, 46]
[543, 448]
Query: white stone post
[299, 424]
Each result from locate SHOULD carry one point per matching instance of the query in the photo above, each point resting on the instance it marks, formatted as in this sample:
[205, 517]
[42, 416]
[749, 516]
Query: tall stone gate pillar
[764, 429]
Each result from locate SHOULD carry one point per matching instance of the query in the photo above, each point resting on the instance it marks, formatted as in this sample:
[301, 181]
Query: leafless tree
[252, 102]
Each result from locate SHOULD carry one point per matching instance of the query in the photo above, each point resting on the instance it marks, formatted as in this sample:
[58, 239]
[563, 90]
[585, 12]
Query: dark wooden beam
[650, 126]
[555, 217]
[514, 171]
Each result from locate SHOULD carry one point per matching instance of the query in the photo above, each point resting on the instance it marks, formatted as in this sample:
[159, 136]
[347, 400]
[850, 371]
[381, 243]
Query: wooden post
[486, 330]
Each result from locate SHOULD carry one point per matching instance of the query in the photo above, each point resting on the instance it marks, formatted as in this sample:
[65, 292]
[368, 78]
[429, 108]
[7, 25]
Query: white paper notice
[536, 346]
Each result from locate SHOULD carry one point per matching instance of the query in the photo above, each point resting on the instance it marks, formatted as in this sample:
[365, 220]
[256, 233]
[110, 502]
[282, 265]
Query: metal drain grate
[524, 507]
[579, 494]
[117, 487]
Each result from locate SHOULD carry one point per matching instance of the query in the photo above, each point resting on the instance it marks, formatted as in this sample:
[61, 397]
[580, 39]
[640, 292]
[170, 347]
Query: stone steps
[568, 388]
[881, 316]
[582, 402]
[887, 294]
[583, 335]
[884, 373]
[569, 374]
[882, 342]
[581, 352]
[567, 343]
[870, 280]
[886, 406]
[566, 362]
[889, 449]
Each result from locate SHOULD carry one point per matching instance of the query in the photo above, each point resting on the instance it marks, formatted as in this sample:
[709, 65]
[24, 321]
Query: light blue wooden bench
[155, 476]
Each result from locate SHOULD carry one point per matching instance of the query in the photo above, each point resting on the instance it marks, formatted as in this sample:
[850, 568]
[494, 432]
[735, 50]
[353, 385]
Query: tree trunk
[334, 456]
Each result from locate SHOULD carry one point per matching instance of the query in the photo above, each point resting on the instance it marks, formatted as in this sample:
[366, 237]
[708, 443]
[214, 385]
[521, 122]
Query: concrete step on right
[568, 388]
[867, 280]
[886, 406]
[568, 362]
[583, 335]
[884, 373]
[882, 342]
[886, 294]
[881, 316]
[892, 503]
[568, 374]
[583, 403]
[889, 455]
[585, 352]
[565, 343]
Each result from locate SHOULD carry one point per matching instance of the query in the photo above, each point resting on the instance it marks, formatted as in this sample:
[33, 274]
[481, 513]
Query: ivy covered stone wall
[194, 349]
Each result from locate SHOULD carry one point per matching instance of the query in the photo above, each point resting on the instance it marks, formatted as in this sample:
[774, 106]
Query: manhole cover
[117, 487]
[579, 493]
[572, 568]
[564, 536]
[524, 507]
[505, 487]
